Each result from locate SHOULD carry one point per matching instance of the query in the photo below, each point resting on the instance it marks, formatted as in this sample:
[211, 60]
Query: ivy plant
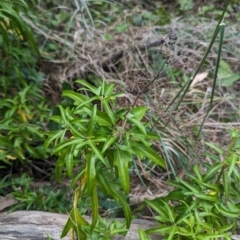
[96, 145]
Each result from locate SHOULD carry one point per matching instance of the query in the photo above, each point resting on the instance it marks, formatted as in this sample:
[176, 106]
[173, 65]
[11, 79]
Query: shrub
[206, 205]
[96, 146]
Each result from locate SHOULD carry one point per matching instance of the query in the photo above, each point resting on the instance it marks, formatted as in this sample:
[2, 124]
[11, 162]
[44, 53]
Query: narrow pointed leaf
[91, 173]
[96, 151]
[54, 135]
[207, 197]
[232, 165]
[121, 160]
[197, 172]
[143, 235]
[109, 142]
[226, 184]
[107, 92]
[94, 208]
[69, 161]
[63, 115]
[138, 112]
[211, 172]
[138, 123]
[77, 97]
[90, 87]
[75, 141]
[188, 185]
[75, 221]
[151, 154]
[104, 183]
[92, 120]
[103, 119]
[126, 209]
[109, 112]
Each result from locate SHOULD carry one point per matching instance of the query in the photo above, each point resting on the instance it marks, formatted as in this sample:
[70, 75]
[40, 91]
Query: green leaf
[159, 209]
[75, 221]
[173, 231]
[136, 122]
[150, 154]
[138, 112]
[233, 207]
[188, 185]
[108, 143]
[87, 105]
[69, 161]
[78, 142]
[233, 159]
[143, 235]
[126, 209]
[77, 97]
[63, 115]
[175, 195]
[52, 136]
[226, 77]
[107, 89]
[121, 160]
[109, 111]
[207, 197]
[59, 168]
[229, 81]
[94, 208]
[138, 136]
[91, 172]
[96, 151]
[197, 172]
[103, 119]
[75, 130]
[122, 27]
[90, 87]
[92, 120]
[211, 172]
[214, 187]
[162, 229]
[216, 148]
[163, 16]
[104, 184]
[211, 236]
[4, 141]
[169, 210]
[225, 212]
[226, 184]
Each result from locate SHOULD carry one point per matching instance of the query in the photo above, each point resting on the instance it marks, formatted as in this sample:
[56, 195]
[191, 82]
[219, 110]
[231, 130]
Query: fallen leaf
[7, 202]
[199, 78]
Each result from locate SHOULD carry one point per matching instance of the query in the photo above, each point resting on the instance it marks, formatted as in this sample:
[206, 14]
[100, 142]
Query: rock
[36, 225]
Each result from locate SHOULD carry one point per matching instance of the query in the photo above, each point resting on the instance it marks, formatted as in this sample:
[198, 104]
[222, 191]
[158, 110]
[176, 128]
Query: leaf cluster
[21, 134]
[96, 145]
[205, 205]
[31, 198]
[12, 23]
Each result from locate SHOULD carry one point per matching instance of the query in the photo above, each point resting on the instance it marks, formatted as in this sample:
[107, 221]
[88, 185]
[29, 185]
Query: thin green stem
[222, 27]
[188, 83]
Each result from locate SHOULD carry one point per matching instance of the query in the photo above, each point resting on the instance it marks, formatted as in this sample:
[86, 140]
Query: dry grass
[84, 51]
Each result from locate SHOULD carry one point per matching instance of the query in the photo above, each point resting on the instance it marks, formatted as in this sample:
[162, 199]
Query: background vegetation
[150, 51]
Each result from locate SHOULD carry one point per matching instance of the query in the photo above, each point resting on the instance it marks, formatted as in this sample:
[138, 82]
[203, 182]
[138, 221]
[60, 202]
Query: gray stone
[36, 225]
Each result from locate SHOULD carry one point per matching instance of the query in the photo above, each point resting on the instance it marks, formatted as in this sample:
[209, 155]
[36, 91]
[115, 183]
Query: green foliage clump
[23, 109]
[96, 146]
[46, 198]
[205, 205]
[21, 134]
